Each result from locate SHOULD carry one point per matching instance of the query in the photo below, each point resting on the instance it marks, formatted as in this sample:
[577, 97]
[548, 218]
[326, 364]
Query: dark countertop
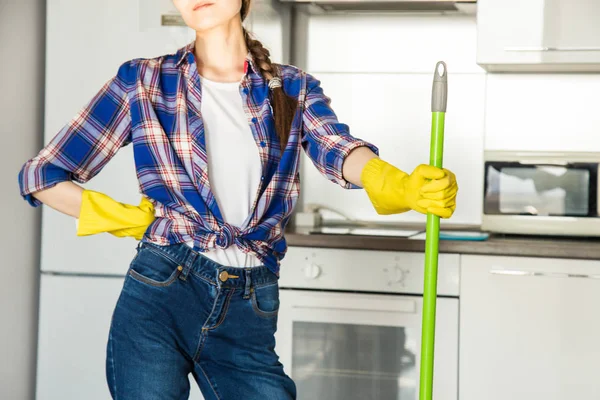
[504, 245]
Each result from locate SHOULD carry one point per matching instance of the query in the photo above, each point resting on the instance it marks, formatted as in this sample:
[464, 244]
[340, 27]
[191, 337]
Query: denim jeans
[180, 313]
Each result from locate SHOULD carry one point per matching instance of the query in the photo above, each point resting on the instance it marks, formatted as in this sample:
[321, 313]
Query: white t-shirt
[234, 167]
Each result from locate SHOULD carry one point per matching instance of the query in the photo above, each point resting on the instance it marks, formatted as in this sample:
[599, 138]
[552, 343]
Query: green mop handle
[438, 109]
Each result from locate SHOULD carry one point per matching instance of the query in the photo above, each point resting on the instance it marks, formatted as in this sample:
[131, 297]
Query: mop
[432, 237]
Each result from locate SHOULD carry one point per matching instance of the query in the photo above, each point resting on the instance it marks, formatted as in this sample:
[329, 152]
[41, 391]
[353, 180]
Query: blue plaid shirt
[154, 105]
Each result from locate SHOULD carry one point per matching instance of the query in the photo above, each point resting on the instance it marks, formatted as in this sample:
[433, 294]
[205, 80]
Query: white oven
[350, 324]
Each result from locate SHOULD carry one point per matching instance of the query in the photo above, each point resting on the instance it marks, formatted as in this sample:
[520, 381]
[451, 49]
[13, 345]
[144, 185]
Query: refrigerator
[81, 277]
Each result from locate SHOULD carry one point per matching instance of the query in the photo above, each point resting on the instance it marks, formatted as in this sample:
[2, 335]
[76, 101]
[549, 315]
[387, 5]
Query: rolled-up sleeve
[85, 144]
[326, 141]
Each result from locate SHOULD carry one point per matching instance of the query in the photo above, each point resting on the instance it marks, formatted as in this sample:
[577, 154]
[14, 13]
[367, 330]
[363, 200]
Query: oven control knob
[312, 271]
[396, 275]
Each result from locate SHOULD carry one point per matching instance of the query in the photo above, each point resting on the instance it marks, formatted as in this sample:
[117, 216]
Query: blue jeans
[180, 313]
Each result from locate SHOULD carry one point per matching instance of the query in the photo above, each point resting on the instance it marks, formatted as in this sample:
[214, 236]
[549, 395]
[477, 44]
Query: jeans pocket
[153, 268]
[265, 300]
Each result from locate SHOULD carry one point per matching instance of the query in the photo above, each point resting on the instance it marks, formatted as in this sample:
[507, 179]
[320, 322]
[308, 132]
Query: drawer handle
[543, 274]
[551, 49]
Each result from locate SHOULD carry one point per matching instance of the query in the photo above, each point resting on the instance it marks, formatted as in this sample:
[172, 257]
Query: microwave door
[540, 190]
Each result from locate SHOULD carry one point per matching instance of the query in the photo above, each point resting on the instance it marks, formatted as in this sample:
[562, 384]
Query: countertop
[504, 245]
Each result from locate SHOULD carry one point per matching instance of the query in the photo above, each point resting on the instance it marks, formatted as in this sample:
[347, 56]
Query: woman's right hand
[100, 213]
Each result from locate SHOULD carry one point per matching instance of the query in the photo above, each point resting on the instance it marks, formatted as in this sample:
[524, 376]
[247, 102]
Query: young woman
[217, 131]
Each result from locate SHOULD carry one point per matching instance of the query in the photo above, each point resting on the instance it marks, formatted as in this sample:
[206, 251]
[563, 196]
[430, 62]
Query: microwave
[541, 193]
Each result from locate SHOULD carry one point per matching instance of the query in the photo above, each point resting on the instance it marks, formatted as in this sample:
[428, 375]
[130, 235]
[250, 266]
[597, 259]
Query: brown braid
[284, 107]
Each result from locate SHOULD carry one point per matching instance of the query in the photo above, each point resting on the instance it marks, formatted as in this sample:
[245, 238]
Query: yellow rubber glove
[100, 213]
[426, 189]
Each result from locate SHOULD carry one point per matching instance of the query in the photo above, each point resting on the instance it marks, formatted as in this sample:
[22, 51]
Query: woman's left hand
[426, 190]
[438, 196]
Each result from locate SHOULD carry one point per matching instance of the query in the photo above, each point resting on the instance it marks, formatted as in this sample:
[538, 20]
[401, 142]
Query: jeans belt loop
[189, 262]
[248, 283]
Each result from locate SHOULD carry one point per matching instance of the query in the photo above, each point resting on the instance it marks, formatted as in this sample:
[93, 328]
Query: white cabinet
[538, 35]
[529, 328]
[75, 314]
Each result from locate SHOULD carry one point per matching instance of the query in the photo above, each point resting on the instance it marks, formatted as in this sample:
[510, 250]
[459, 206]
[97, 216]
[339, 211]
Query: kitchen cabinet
[538, 35]
[529, 328]
[75, 314]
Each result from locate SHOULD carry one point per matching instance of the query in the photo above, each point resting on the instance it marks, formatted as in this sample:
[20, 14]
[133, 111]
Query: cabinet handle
[551, 49]
[543, 274]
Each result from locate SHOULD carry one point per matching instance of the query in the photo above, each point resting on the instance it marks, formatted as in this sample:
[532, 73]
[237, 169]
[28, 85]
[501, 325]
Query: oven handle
[550, 163]
[398, 306]
[542, 274]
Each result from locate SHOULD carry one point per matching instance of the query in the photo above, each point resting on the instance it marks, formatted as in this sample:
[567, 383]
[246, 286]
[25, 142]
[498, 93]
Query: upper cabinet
[538, 35]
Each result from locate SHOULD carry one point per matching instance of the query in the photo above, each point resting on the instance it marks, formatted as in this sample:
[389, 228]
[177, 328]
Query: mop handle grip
[439, 94]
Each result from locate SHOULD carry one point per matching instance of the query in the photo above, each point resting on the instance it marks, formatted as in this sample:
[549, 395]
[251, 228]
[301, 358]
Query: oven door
[350, 346]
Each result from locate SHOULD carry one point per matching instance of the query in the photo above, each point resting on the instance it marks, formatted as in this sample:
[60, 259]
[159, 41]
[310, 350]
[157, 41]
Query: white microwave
[541, 193]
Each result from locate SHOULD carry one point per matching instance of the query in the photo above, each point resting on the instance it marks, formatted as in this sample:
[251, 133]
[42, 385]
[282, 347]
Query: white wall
[553, 112]
[378, 71]
[21, 107]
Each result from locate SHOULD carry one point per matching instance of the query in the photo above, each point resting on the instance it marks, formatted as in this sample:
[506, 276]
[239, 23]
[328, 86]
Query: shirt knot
[226, 236]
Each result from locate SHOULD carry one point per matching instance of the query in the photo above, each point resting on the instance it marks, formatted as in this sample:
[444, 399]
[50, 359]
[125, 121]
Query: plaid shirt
[154, 104]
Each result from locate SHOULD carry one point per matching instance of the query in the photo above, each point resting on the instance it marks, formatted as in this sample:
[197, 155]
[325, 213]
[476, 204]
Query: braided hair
[284, 106]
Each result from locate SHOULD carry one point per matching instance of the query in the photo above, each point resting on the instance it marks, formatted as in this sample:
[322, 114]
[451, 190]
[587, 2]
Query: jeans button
[223, 276]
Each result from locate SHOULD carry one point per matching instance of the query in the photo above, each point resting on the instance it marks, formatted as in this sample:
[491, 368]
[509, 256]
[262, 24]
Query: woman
[216, 130]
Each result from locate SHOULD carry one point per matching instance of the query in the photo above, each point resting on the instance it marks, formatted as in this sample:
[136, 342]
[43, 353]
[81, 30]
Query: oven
[541, 193]
[349, 324]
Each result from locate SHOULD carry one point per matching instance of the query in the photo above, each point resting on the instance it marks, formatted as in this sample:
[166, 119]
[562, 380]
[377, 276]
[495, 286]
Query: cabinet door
[75, 314]
[529, 328]
[572, 25]
[509, 23]
[538, 35]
